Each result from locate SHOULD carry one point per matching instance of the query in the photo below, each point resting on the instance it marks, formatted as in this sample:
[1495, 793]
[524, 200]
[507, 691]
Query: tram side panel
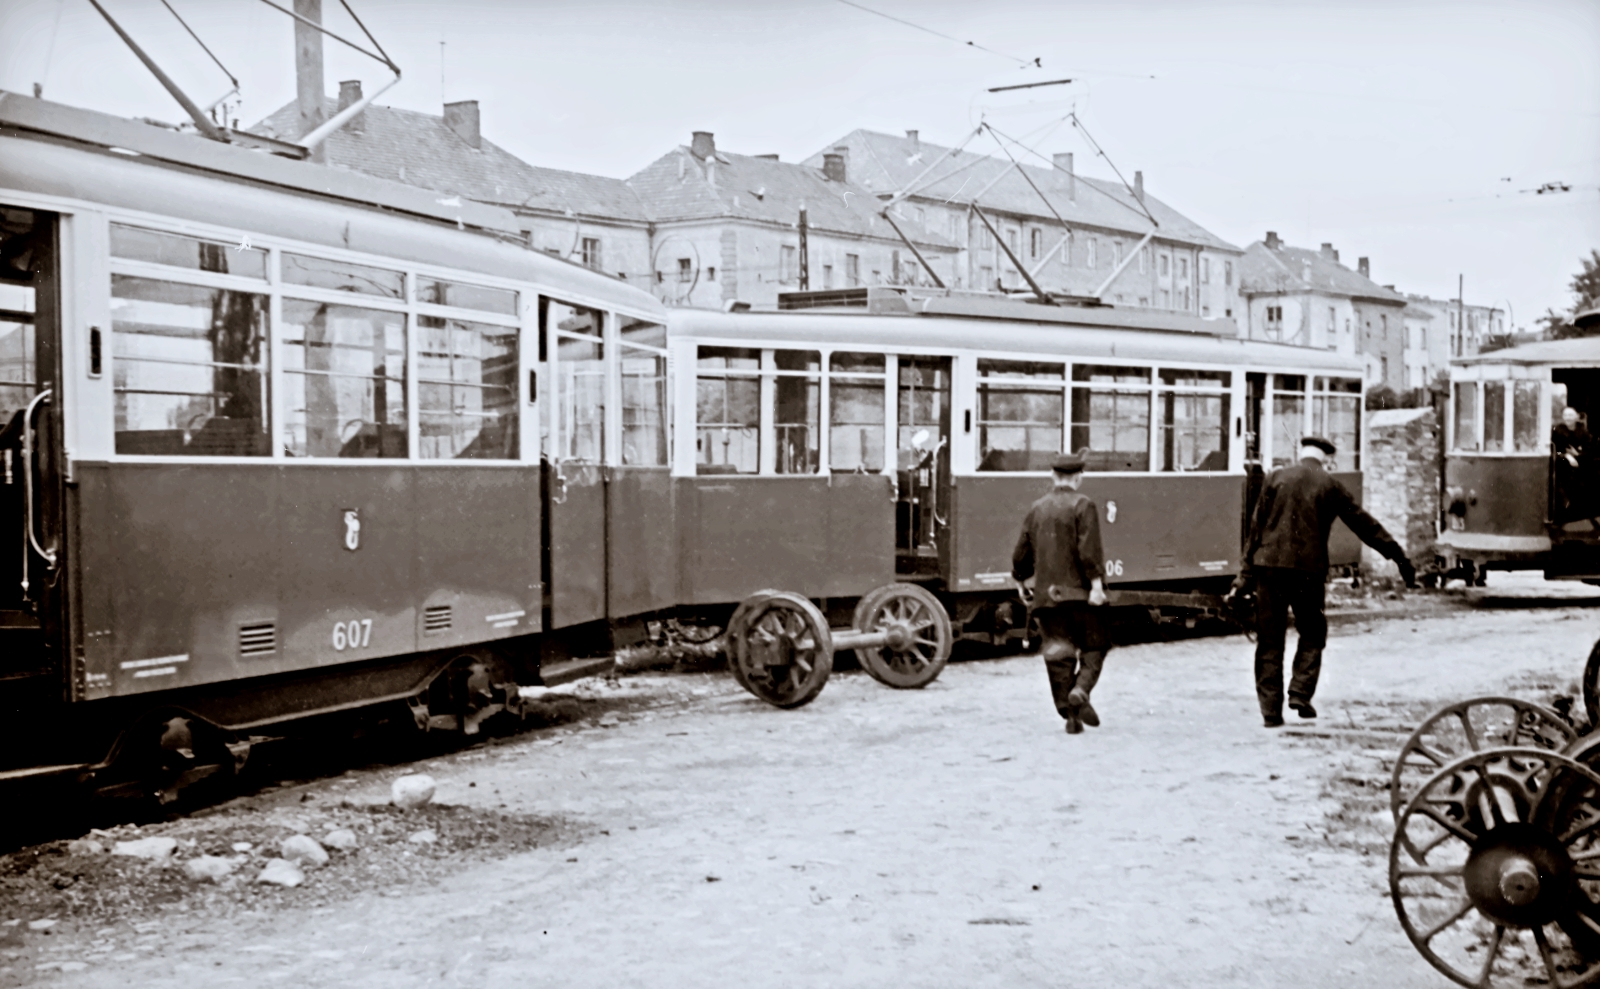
[642, 542]
[1173, 528]
[828, 536]
[202, 574]
[1344, 549]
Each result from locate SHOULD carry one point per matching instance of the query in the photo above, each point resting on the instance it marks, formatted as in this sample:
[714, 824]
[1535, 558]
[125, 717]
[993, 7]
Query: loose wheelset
[781, 649]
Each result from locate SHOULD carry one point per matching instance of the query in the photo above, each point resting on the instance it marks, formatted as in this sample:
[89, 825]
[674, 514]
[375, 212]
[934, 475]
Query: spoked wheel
[739, 626]
[1471, 726]
[920, 637]
[785, 650]
[1570, 810]
[1591, 686]
[1476, 874]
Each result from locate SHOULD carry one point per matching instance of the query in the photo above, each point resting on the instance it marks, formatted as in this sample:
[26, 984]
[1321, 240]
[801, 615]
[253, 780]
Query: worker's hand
[1239, 584]
[1097, 594]
[1408, 573]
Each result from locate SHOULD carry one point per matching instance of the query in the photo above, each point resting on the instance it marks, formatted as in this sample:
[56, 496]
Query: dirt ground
[952, 836]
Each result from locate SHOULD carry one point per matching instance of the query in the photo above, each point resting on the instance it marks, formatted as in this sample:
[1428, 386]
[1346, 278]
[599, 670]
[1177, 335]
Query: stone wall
[1400, 481]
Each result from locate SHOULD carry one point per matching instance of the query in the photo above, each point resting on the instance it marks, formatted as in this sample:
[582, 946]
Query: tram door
[922, 508]
[31, 503]
[1255, 399]
[573, 340]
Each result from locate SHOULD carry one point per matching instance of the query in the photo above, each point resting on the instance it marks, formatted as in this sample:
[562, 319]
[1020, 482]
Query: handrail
[48, 555]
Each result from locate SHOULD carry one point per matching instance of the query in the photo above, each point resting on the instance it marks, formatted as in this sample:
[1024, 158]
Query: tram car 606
[281, 440]
[1522, 472]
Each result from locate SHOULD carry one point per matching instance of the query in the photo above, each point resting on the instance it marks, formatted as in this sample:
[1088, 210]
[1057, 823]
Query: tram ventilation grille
[258, 638]
[436, 618]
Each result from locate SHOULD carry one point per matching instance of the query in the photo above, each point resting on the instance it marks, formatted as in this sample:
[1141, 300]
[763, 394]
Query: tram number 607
[353, 634]
[1113, 568]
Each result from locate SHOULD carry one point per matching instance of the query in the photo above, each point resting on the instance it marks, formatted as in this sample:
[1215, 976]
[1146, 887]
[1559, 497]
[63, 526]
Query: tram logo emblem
[352, 529]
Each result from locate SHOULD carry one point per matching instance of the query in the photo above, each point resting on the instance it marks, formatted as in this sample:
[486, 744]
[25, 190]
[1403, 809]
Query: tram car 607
[1522, 473]
[865, 436]
[272, 442]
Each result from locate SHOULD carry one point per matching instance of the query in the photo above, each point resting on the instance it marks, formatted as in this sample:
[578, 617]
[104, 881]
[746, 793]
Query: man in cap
[1060, 548]
[1286, 557]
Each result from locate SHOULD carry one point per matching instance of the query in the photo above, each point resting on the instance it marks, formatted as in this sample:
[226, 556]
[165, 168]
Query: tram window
[1288, 418]
[177, 251]
[582, 388]
[1525, 415]
[797, 411]
[1020, 414]
[1194, 420]
[343, 276]
[923, 403]
[1338, 417]
[728, 411]
[467, 390]
[644, 408]
[189, 369]
[344, 381]
[856, 411]
[461, 295]
[1494, 416]
[1111, 417]
[642, 333]
[18, 360]
[1466, 420]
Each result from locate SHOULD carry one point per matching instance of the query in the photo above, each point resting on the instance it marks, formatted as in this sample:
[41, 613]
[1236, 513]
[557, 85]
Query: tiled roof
[1265, 270]
[420, 150]
[681, 186]
[886, 164]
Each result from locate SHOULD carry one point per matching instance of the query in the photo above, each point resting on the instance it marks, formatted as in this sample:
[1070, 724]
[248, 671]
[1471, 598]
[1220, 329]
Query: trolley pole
[805, 256]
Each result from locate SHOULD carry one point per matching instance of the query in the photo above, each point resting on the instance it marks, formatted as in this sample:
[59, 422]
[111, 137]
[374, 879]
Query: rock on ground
[210, 867]
[304, 851]
[412, 791]
[281, 872]
[340, 839]
[153, 849]
[426, 836]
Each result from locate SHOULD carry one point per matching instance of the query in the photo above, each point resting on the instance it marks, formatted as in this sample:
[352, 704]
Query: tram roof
[1088, 338]
[85, 156]
[1580, 352]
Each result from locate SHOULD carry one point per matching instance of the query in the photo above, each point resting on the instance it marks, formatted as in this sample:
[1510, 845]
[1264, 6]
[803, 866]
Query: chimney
[462, 118]
[702, 145]
[916, 145]
[1138, 187]
[833, 166]
[350, 95]
[1065, 174]
[1364, 268]
[1273, 243]
[1328, 253]
[308, 79]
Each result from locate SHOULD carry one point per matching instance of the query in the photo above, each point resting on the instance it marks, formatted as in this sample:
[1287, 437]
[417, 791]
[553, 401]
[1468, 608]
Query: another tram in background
[1512, 500]
[272, 448]
[884, 434]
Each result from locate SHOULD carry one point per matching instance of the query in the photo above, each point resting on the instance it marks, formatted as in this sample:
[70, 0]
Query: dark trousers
[1277, 591]
[1074, 647]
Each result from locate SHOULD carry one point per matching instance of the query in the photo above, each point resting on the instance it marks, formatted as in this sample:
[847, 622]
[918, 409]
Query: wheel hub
[1518, 875]
[898, 636]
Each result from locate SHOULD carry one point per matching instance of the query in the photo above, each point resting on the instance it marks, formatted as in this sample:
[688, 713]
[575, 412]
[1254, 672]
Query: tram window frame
[1526, 436]
[640, 339]
[1186, 390]
[1493, 407]
[1127, 384]
[1288, 389]
[389, 439]
[572, 347]
[746, 374]
[498, 302]
[1044, 380]
[1464, 413]
[860, 378]
[19, 360]
[1327, 391]
[451, 332]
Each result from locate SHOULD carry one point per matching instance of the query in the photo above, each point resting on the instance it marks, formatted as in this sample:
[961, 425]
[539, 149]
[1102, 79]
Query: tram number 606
[353, 634]
[1113, 568]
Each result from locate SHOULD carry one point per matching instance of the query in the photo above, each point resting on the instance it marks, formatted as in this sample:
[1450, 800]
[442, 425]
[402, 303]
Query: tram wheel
[784, 650]
[738, 627]
[1474, 864]
[920, 635]
[1591, 686]
[1470, 726]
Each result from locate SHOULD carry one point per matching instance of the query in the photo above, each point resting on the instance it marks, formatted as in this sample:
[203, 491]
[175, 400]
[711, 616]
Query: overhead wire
[1141, 211]
[202, 44]
[1022, 62]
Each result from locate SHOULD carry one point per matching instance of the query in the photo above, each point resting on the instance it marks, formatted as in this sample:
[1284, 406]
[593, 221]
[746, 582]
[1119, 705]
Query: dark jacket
[1574, 440]
[1290, 526]
[1060, 544]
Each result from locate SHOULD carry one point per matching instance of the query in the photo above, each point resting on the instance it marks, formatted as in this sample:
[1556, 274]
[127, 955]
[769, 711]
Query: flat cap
[1321, 443]
[1069, 463]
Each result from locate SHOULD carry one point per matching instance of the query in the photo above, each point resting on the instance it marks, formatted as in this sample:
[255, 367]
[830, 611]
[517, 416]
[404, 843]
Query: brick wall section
[1401, 482]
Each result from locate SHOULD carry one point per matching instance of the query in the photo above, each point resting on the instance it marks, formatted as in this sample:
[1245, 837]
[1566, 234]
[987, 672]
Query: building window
[1116, 253]
[985, 239]
[827, 276]
[1183, 268]
[1422, 337]
[1166, 299]
[1205, 271]
[1035, 243]
[685, 270]
[1274, 322]
[1385, 371]
[922, 217]
[986, 278]
[1091, 254]
[1021, 410]
[877, 278]
[1163, 266]
[1383, 318]
[852, 270]
[1227, 272]
[591, 252]
[711, 274]
[1012, 241]
[1186, 298]
[788, 267]
[1144, 260]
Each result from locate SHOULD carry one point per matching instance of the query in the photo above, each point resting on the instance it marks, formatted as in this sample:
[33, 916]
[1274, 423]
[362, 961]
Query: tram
[1513, 501]
[888, 434]
[281, 440]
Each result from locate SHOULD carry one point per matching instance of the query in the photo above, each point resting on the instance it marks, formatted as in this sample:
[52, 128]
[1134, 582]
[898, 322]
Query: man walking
[1060, 548]
[1286, 557]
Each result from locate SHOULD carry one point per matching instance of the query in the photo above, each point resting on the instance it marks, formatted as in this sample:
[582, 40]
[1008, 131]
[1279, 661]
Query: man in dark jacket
[1286, 558]
[1060, 548]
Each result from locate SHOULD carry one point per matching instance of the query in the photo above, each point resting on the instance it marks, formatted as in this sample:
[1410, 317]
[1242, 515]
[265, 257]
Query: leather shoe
[1078, 701]
[1304, 709]
[1272, 721]
[1074, 725]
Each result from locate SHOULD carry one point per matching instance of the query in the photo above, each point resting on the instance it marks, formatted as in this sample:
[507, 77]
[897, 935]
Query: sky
[1405, 131]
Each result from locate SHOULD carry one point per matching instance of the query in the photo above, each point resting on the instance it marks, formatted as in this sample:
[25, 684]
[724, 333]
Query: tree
[1382, 397]
[1585, 286]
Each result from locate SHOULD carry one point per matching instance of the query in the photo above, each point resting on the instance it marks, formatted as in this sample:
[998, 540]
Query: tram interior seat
[375, 440]
[218, 437]
[1012, 461]
[1215, 460]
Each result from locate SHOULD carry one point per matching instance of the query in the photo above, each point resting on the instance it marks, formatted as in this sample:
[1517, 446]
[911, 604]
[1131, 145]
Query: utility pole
[308, 80]
[805, 258]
